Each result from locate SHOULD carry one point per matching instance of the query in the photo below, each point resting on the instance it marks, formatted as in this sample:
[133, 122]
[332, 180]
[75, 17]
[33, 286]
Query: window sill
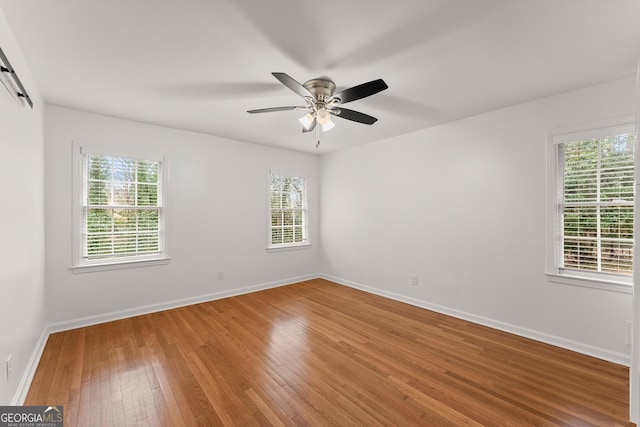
[621, 286]
[284, 248]
[90, 268]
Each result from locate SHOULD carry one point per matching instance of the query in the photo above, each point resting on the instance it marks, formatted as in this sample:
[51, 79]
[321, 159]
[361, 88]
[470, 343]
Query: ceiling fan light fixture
[306, 120]
[323, 116]
[327, 126]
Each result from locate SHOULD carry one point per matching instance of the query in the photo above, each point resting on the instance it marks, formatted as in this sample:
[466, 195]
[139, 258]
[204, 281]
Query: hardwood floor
[316, 353]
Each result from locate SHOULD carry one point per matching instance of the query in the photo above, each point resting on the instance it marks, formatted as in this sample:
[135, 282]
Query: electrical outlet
[221, 275]
[9, 367]
[414, 280]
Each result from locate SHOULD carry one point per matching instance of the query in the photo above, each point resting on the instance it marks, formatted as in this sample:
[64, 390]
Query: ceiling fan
[322, 102]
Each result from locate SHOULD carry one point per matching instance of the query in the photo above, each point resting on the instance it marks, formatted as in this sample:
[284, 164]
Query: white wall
[21, 224]
[463, 206]
[217, 202]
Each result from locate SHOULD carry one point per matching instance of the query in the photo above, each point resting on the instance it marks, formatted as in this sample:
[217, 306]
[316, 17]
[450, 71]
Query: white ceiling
[200, 64]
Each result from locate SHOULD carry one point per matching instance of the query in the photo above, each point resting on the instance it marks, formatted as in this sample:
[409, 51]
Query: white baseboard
[153, 308]
[600, 353]
[30, 370]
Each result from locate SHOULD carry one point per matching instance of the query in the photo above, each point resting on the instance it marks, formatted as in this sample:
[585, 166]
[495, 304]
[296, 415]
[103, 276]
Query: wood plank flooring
[314, 354]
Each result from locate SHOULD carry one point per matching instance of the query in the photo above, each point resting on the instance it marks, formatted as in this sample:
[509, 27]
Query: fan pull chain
[317, 136]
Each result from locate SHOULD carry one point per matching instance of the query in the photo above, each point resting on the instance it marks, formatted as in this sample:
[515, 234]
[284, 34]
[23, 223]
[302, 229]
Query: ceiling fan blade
[360, 91]
[354, 116]
[272, 109]
[312, 126]
[292, 84]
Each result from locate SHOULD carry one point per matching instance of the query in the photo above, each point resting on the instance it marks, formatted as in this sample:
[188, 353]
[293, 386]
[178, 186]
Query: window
[119, 218]
[287, 211]
[595, 203]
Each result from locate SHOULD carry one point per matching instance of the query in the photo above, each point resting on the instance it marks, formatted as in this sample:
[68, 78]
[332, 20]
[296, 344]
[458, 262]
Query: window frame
[305, 226]
[554, 271]
[78, 263]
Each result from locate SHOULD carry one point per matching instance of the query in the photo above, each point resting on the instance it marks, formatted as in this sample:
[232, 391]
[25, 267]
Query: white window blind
[596, 204]
[288, 210]
[122, 207]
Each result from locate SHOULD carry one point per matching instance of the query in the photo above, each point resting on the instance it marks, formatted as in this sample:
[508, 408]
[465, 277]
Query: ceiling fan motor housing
[322, 89]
